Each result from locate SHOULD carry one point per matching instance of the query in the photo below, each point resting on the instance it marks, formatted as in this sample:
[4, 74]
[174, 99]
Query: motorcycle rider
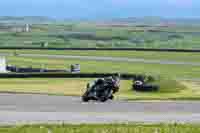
[115, 79]
[99, 83]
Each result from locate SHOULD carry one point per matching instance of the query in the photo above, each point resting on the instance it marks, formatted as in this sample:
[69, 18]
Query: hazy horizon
[95, 9]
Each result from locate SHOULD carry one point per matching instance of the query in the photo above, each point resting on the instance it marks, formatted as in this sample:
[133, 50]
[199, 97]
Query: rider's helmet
[116, 76]
[116, 82]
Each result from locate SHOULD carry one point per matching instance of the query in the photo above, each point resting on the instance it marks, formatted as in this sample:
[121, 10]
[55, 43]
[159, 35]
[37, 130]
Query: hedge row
[101, 49]
[64, 75]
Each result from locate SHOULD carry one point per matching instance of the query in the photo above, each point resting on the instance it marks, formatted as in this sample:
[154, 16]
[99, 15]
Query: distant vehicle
[102, 89]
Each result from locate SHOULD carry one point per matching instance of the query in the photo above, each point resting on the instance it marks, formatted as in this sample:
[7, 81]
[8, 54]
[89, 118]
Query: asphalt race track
[28, 108]
[114, 59]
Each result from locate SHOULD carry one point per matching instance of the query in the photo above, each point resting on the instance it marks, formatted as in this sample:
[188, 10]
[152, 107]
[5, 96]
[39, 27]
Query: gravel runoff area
[29, 108]
[117, 59]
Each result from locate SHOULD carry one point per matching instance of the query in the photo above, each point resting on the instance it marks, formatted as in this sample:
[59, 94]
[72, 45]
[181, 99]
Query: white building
[2, 64]
[27, 28]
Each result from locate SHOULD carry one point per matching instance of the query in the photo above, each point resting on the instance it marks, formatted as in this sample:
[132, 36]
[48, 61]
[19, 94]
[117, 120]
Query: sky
[101, 9]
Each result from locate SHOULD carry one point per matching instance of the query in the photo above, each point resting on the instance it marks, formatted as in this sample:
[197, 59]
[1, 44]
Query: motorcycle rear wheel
[103, 99]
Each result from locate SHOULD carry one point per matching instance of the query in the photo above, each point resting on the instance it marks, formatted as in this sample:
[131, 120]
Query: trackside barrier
[65, 75]
[103, 49]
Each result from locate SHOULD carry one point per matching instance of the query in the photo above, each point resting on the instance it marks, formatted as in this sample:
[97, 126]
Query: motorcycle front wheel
[85, 99]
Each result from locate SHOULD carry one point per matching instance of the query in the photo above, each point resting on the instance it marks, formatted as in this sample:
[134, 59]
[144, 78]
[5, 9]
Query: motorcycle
[144, 87]
[101, 90]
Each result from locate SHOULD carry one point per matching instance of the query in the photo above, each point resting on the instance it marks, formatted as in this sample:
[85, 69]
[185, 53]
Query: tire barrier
[29, 70]
[64, 75]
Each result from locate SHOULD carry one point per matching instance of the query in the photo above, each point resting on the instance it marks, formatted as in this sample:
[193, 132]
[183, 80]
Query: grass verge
[103, 128]
[169, 89]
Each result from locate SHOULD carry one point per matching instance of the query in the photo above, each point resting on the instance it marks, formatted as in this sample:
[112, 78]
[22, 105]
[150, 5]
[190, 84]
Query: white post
[2, 65]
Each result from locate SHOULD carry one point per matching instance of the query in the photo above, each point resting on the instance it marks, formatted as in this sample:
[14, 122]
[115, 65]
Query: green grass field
[169, 89]
[85, 34]
[109, 128]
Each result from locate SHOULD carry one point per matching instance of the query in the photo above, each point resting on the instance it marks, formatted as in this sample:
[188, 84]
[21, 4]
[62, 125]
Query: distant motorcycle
[101, 90]
[144, 87]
